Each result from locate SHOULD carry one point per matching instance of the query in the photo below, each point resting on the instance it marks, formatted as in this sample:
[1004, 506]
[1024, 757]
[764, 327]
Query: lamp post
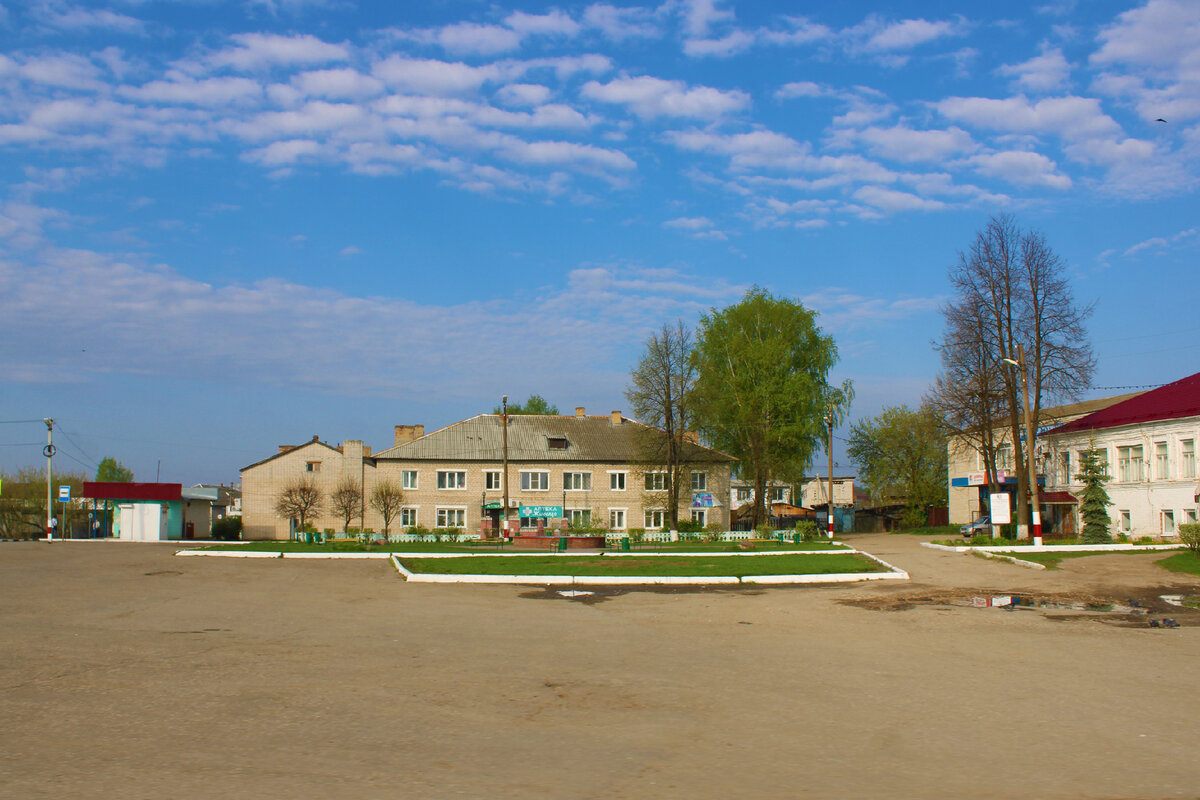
[1035, 511]
[504, 478]
[829, 449]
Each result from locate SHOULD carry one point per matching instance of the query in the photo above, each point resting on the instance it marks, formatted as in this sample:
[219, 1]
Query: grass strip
[684, 566]
[1188, 563]
[1051, 560]
[489, 547]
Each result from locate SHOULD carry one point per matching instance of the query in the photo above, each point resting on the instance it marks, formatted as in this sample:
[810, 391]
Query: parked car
[979, 526]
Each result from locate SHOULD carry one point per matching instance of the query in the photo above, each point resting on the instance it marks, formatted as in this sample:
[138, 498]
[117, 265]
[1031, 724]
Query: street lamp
[1029, 447]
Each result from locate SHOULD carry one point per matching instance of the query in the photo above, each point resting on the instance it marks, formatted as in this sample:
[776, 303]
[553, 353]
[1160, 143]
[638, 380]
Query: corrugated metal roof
[1174, 401]
[589, 438]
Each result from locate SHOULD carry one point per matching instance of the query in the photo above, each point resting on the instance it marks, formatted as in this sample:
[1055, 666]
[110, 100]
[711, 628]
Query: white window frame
[410, 479]
[585, 481]
[648, 515]
[1129, 468]
[415, 512]
[612, 519]
[1191, 516]
[441, 511]
[700, 515]
[493, 480]
[576, 516]
[742, 494]
[700, 485]
[1169, 525]
[656, 474]
[1125, 520]
[616, 476]
[527, 482]
[447, 472]
[781, 491]
[1162, 461]
[312, 466]
[1187, 458]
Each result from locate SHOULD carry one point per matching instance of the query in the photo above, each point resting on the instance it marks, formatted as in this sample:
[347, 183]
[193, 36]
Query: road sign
[64, 492]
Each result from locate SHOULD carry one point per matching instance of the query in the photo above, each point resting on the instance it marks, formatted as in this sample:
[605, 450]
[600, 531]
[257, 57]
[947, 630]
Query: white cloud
[283, 153]
[338, 84]
[1161, 243]
[800, 30]
[701, 15]
[892, 200]
[317, 116]
[901, 143]
[735, 42]
[350, 250]
[468, 38]
[1045, 73]
[523, 94]
[799, 89]
[649, 97]
[554, 23]
[1021, 168]
[66, 70]
[183, 90]
[1071, 117]
[689, 223]
[254, 51]
[76, 18]
[620, 24]
[429, 76]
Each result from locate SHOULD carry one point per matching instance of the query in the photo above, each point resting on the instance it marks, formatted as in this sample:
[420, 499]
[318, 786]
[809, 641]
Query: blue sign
[543, 512]
[703, 500]
[64, 493]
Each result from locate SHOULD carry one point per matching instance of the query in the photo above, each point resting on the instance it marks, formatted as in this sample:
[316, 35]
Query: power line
[82, 452]
[1138, 386]
[20, 421]
[20, 444]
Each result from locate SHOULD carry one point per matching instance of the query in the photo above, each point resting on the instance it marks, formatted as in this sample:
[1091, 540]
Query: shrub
[636, 534]
[419, 531]
[713, 532]
[807, 529]
[1189, 534]
[689, 526]
[446, 534]
[764, 532]
[229, 529]
[913, 517]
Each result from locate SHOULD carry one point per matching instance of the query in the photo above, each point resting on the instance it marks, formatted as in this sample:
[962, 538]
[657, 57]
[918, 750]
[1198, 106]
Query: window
[408, 516]
[743, 494]
[1064, 468]
[1126, 521]
[1190, 516]
[451, 517]
[616, 481]
[700, 515]
[1161, 462]
[492, 480]
[1129, 463]
[1168, 523]
[654, 518]
[779, 494]
[408, 479]
[557, 443]
[699, 481]
[1004, 456]
[450, 479]
[577, 481]
[1187, 458]
[656, 481]
[312, 466]
[535, 481]
[579, 517]
[616, 519]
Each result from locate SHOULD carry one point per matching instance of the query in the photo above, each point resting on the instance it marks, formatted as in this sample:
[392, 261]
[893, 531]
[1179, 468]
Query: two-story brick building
[580, 467]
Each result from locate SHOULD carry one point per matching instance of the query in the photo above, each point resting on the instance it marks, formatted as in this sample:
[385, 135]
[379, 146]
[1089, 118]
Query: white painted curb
[1020, 562]
[1051, 548]
[231, 553]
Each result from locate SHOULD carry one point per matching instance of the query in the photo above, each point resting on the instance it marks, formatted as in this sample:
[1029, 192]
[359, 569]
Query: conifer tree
[1094, 475]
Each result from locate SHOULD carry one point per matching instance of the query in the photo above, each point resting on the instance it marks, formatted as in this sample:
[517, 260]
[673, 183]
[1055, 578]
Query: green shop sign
[492, 506]
[544, 512]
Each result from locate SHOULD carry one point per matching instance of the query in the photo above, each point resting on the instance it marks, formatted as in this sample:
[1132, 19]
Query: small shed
[153, 512]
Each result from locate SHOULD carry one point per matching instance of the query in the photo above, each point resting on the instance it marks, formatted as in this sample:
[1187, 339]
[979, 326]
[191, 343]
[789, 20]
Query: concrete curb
[1051, 548]
[1020, 562]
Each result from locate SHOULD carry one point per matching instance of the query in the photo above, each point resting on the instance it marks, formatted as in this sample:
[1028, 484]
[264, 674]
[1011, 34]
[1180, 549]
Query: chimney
[283, 448]
[691, 436]
[406, 433]
[615, 418]
[580, 412]
[316, 438]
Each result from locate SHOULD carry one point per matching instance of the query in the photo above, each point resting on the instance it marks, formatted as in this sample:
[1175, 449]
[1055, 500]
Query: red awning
[153, 492]
[1057, 498]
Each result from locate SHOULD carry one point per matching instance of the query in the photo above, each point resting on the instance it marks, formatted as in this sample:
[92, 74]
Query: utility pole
[829, 508]
[48, 451]
[504, 478]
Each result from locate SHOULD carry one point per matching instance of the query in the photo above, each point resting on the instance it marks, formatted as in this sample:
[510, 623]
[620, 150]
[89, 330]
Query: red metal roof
[1174, 401]
[1057, 498]
[154, 492]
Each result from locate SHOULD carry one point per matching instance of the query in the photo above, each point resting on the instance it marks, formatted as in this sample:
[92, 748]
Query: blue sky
[230, 225]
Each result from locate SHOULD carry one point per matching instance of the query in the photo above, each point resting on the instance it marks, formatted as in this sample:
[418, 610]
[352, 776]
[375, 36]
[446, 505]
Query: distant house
[152, 512]
[1149, 442]
[581, 468]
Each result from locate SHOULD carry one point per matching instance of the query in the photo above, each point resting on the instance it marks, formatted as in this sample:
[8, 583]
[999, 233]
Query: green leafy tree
[901, 454]
[112, 471]
[23, 502]
[1093, 473]
[761, 387]
[536, 404]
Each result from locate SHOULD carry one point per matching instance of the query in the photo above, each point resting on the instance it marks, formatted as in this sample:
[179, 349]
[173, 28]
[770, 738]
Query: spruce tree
[1094, 475]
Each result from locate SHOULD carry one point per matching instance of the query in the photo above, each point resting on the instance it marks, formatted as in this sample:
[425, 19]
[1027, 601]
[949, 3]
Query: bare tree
[660, 394]
[386, 499]
[299, 499]
[346, 501]
[1011, 286]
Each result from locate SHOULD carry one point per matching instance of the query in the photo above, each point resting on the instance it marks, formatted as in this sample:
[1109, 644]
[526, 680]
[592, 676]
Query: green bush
[764, 532]
[446, 534]
[1189, 534]
[227, 529]
[419, 531]
[636, 534]
[689, 526]
[807, 529]
[713, 532]
[913, 517]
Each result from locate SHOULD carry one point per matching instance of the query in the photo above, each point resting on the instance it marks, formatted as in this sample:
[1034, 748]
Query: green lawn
[940, 530]
[434, 547]
[698, 566]
[1051, 560]
[1187, 562]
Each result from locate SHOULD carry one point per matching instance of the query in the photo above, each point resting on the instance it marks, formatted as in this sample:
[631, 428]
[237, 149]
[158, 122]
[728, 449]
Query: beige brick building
[577, 467]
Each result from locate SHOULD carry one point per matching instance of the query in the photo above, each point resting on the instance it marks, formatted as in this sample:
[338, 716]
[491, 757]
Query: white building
[1149, 442]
